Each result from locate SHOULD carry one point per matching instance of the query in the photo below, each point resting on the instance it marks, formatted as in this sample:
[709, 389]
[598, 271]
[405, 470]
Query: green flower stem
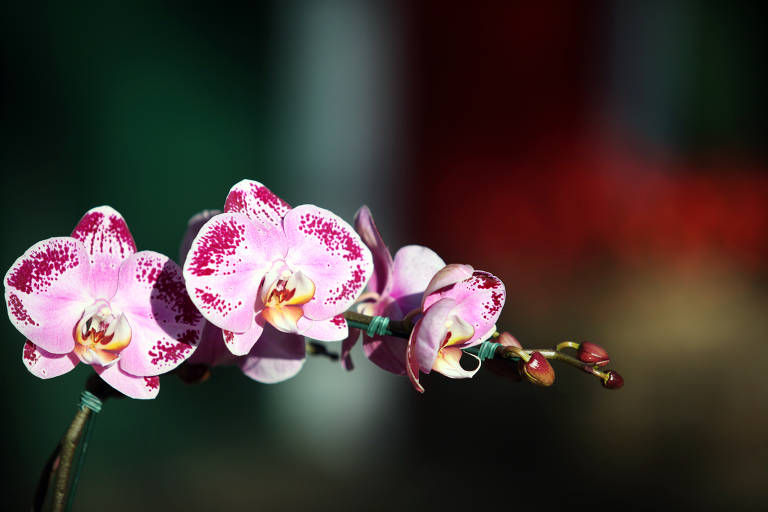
[68, 448]
[64, 487]
[399, 328]
[403, 329]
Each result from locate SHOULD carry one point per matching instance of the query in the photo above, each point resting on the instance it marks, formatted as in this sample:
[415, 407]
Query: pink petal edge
[45, 364]
[277, 356]
[257, 202]
[447, 276]
[106, 237]
[194, 224]
[143, 388]
[335, 329]
[381, 279]
[165, 325]
[47, 290]
[330, 253]
[240, 344]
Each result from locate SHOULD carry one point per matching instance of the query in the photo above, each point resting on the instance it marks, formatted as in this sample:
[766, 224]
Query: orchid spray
[263, 284]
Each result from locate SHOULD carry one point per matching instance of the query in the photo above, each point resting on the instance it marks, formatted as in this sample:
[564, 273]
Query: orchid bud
[538, 370]
[613, 380]
[593, 354]
[508, 340]
[500, 365]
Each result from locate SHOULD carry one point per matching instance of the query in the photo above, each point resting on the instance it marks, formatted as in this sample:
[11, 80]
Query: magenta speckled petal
[414, 268]
[165, 325]
[47, 290]
[194, 224]
[257, 202]
[445, 277]
[277, 356]
[240, 344]
[329, 252]
[479, 301]
[108, 240]
[45, 364]
[129, 385]
[335, 329]
[381, 280]
[225, 266]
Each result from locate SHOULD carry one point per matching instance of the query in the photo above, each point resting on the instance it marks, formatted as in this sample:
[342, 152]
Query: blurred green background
[606, 160]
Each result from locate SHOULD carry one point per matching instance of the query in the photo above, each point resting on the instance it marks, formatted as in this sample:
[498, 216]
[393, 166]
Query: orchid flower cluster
[258, 278]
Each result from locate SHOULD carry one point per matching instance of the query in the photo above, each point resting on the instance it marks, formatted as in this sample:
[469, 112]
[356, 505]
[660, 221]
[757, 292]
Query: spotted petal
[479, 301]
[240, 344]
[165, 325]
[329, 252]
[109, 242]
[194, 224]
[45, 364]
[225, 266]
[46, 291]
[445, 277]
[381, 280]
[129, 385]
[276, 357]
[257, 202]
[335, 329]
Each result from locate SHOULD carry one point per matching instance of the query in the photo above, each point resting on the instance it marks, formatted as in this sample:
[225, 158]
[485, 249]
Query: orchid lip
[283, 293]
[101, 334]
[458, 331]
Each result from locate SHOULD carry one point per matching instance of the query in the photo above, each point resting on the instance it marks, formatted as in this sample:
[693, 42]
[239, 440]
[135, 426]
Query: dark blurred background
[606, 159]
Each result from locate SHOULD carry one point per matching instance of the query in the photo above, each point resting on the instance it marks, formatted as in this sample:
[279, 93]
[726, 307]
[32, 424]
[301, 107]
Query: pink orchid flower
[265, 362]
[92, 298]
[460, 307]
[395, 289]
[262, 262]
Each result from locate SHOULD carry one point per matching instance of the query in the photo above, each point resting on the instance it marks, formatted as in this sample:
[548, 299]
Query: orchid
[460, 308]
[262, 263]
[265, 362]
[395, 290]
[92, 298]
[258, 278]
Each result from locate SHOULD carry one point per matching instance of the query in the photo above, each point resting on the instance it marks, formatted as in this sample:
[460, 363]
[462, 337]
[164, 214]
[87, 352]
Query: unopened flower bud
[593, 354]
[508, 340]
[538, 370]
[613, 380]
